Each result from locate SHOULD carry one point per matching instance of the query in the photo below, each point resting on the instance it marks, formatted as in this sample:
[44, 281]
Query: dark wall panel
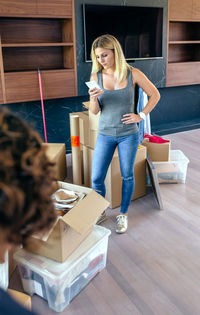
[178, 110]
[155, 69]
[56, 117]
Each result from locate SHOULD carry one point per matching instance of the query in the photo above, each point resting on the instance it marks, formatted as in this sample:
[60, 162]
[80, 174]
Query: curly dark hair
[26, 180]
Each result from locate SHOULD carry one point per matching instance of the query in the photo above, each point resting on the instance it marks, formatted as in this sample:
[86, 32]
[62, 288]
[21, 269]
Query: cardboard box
[79, 130]
[71, 229]
[83, 126]
[157, 151]
[56, 152]
[86, 179]
[86, 104]
[140, 172]
[21, 298]
[113, 182]
[92, 138]
[94, 120]
[113, 179]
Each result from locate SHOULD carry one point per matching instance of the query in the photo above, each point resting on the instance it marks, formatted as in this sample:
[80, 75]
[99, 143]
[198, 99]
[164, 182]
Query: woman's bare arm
[148, 87]
[94, 94]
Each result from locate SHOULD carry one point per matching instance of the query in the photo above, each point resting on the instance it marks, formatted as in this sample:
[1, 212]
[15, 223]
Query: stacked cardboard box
[170, 165]
[159, 154]
[113, 180]
[157, 151]
[56, 152]
[72, 228]
[58, 283]
[73, 240]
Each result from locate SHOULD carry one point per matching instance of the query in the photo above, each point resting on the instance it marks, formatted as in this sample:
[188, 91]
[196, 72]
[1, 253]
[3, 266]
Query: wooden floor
[155, 267]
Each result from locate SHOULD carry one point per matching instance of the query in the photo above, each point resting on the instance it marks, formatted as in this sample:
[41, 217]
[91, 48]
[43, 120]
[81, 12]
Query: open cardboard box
[86, 104]
[71, 229]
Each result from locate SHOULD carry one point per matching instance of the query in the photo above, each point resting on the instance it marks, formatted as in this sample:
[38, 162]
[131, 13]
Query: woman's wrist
[94, 100]
[142, 115]
[94, 105]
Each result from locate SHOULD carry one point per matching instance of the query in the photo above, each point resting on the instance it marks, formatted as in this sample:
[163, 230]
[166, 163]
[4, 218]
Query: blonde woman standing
[118, 123]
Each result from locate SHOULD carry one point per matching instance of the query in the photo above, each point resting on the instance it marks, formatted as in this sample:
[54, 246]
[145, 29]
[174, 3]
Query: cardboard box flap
[86, 104]
[75, 188]
[44, 236]
[84, 214]
[54, 150]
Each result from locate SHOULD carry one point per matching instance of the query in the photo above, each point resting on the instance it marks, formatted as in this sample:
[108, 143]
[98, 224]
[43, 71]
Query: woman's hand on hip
[131, 118]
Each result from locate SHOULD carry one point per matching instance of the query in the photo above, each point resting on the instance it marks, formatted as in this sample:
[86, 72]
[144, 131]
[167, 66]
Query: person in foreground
[117, 123]
[26, 186]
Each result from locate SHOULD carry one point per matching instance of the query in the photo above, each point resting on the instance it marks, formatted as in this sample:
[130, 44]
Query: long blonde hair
[110, 42]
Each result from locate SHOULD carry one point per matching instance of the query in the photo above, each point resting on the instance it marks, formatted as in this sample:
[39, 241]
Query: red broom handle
[42, 103]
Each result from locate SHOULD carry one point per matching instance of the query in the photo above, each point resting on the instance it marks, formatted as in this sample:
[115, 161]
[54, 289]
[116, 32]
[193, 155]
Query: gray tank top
[114, 104]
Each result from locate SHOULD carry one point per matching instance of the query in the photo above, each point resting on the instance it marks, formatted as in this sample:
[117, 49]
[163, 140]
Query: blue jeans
[103, 153]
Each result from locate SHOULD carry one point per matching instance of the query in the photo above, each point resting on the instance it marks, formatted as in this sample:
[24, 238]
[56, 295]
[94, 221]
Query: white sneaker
[122, 223]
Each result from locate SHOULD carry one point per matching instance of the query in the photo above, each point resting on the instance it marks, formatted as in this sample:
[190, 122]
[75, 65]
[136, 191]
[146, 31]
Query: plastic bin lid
[178, 155]
[55, 270]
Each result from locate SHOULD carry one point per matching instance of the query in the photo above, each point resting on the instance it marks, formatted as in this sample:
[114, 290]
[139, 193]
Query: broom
[42, 104]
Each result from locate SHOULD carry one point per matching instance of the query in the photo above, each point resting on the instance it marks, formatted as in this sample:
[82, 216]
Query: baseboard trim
[174, 128]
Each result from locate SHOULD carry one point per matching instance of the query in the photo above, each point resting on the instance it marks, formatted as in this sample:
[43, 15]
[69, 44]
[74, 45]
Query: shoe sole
[119, 232]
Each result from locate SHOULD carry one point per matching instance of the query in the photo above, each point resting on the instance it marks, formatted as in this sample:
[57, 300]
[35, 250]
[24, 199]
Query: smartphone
[92, 84]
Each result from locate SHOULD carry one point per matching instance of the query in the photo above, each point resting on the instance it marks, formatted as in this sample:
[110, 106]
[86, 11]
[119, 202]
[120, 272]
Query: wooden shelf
[36, 44]
[36, 9]
[183, 73]
[185, 42]
[43, 57]
[37, 34]
[183, 55]
[23, 86]
[186, 63]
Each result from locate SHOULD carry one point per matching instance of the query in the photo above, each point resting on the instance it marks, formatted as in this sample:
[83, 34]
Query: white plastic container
[173, 171]
[59, 283]
[4, 274]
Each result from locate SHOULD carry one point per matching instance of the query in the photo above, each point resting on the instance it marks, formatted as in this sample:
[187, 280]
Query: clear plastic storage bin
[173, 171]
[59, 283]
